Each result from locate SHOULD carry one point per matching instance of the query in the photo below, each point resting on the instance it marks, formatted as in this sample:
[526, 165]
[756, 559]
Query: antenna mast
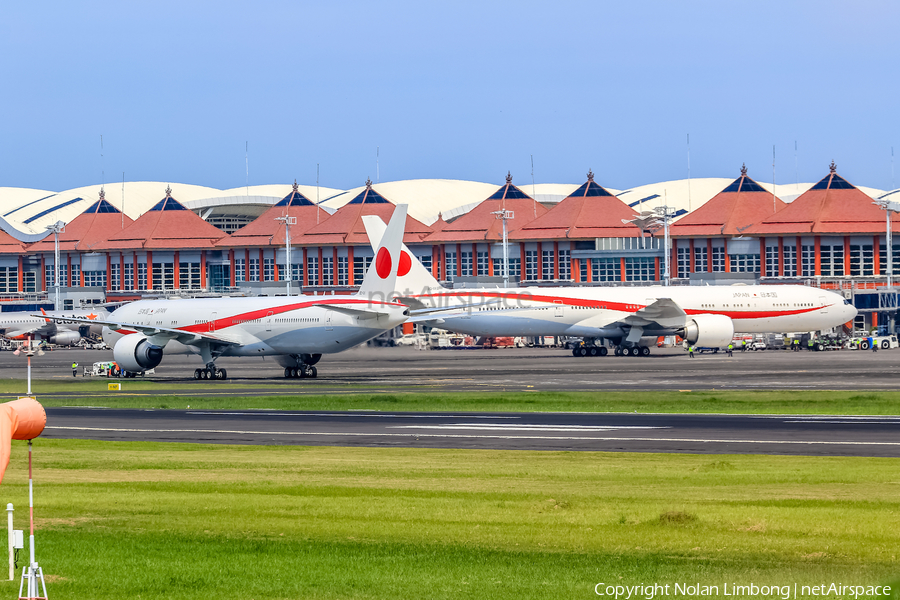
[774, 206]
[247, 163]
[533, 195]
[689, 171]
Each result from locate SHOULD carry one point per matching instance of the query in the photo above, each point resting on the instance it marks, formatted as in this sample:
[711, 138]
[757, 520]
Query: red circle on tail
[383, 263]
[405, 264]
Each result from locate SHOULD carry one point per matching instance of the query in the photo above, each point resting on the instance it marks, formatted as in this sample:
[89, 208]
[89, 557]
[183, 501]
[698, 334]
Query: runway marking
[353, 414]
[471, 436]
[526, 427]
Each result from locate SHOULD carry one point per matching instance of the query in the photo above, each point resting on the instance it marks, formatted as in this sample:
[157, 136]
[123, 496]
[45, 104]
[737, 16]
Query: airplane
[61, 327]
[296, 330]
[631, 318]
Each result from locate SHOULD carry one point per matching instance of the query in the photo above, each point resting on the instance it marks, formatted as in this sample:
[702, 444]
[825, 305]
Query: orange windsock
[22, 419]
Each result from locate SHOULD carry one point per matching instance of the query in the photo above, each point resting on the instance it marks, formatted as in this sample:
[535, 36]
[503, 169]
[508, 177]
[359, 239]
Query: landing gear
[632, 351]
[301, 372]
[211, 373]
[589, 350]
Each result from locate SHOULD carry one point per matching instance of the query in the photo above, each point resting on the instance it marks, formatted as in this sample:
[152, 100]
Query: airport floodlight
[288, 221]
[505, 215]
[57, 228]
[888, 206]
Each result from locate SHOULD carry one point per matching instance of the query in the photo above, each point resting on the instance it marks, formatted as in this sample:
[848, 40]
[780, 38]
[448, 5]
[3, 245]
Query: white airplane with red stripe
[630, 318]
[295, 330]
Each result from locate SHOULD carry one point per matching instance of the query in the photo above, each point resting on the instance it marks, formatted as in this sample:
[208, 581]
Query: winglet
[382, 274]
[417, 280]
[44, 312]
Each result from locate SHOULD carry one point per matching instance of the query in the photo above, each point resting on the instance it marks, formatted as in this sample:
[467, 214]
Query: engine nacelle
[709, 331]
[65, 338]
[134, 353]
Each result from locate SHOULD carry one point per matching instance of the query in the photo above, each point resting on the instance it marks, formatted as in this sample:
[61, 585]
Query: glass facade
[606, 269]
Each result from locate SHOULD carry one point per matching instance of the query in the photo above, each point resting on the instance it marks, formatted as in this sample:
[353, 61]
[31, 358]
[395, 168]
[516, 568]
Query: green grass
[149, 394]
[146, 520]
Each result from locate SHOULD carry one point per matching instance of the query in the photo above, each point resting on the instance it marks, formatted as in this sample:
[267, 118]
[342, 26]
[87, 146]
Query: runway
[704, 434]
[525, 369]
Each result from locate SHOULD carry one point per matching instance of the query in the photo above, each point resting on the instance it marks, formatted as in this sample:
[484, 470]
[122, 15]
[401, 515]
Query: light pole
[653, 221]
[505, 215]
[888, 206]
[57, 228]
[288, 221]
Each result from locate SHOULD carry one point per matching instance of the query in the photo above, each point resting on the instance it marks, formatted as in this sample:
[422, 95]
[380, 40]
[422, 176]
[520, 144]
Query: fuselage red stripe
[621, 306]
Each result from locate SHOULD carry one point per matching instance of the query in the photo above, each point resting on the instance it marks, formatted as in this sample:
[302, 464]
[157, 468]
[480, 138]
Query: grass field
[149, 394]
[143, 520]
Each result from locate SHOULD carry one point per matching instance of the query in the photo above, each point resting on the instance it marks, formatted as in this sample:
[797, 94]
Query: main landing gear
[591, 350]
[301, 372]
[210, 372]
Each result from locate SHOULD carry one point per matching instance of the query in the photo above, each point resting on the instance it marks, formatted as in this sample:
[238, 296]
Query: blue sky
[456, 90]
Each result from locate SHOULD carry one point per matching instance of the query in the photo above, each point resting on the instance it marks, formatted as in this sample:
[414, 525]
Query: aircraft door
[558, 308]
[212, 323]
[824, 302]
[328, 315]
[269, 321]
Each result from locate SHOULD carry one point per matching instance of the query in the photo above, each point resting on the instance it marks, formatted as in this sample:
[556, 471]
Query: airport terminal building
[150, 240]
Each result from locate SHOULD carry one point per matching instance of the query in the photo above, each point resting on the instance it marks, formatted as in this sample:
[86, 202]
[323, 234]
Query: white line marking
[354, 414]
[515, 427]
[499, 437]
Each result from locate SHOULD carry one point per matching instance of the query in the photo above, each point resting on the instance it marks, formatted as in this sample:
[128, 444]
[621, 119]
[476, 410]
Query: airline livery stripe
[620, 306]
[276, 310]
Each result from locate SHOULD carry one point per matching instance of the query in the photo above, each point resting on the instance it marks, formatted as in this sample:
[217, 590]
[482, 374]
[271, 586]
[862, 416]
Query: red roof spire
[833, 167]
[744, 170]
[590, 175]
[508, 177]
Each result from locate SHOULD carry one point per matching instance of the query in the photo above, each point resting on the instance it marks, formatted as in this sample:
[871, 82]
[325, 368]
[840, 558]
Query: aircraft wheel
[645, 351]
[582, 351]
[223, 374]
[575, 351]
[313, 372]
[196, 374]
[593, 351]
[603, 350]
[618, 351]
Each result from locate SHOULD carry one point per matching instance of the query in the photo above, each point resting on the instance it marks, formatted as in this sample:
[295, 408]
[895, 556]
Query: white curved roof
[27, 212]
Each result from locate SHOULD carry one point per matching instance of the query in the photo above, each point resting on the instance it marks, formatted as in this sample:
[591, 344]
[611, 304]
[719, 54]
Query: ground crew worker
[691, 351]
[729, 350]
[796, 344]
[809, 344]
[74, 368]
[874, 345]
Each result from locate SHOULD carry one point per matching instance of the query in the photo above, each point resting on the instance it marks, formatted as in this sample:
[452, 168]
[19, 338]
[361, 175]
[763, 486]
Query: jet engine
[134, 353]
[65, 338]
[711, 331]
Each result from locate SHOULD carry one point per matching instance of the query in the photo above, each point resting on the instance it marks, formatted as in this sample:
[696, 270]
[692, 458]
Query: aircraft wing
[362, 313]
[14, 333]
[160, 335]
[663, 313]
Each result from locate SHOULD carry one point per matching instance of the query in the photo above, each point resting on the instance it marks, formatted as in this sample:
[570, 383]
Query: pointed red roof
[88, 230]
[265, 230]
[168, 225]
[589, 212]
[730, 212]
[346, 225]
[480, 224]
[439, 224]
[10, 245]
[832, 206]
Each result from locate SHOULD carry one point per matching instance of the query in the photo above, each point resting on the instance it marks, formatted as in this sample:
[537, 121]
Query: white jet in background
[61, 327]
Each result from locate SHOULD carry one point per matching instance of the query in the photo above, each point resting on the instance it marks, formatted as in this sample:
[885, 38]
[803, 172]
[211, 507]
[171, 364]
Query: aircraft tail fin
[416, 279]
[381, 277]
